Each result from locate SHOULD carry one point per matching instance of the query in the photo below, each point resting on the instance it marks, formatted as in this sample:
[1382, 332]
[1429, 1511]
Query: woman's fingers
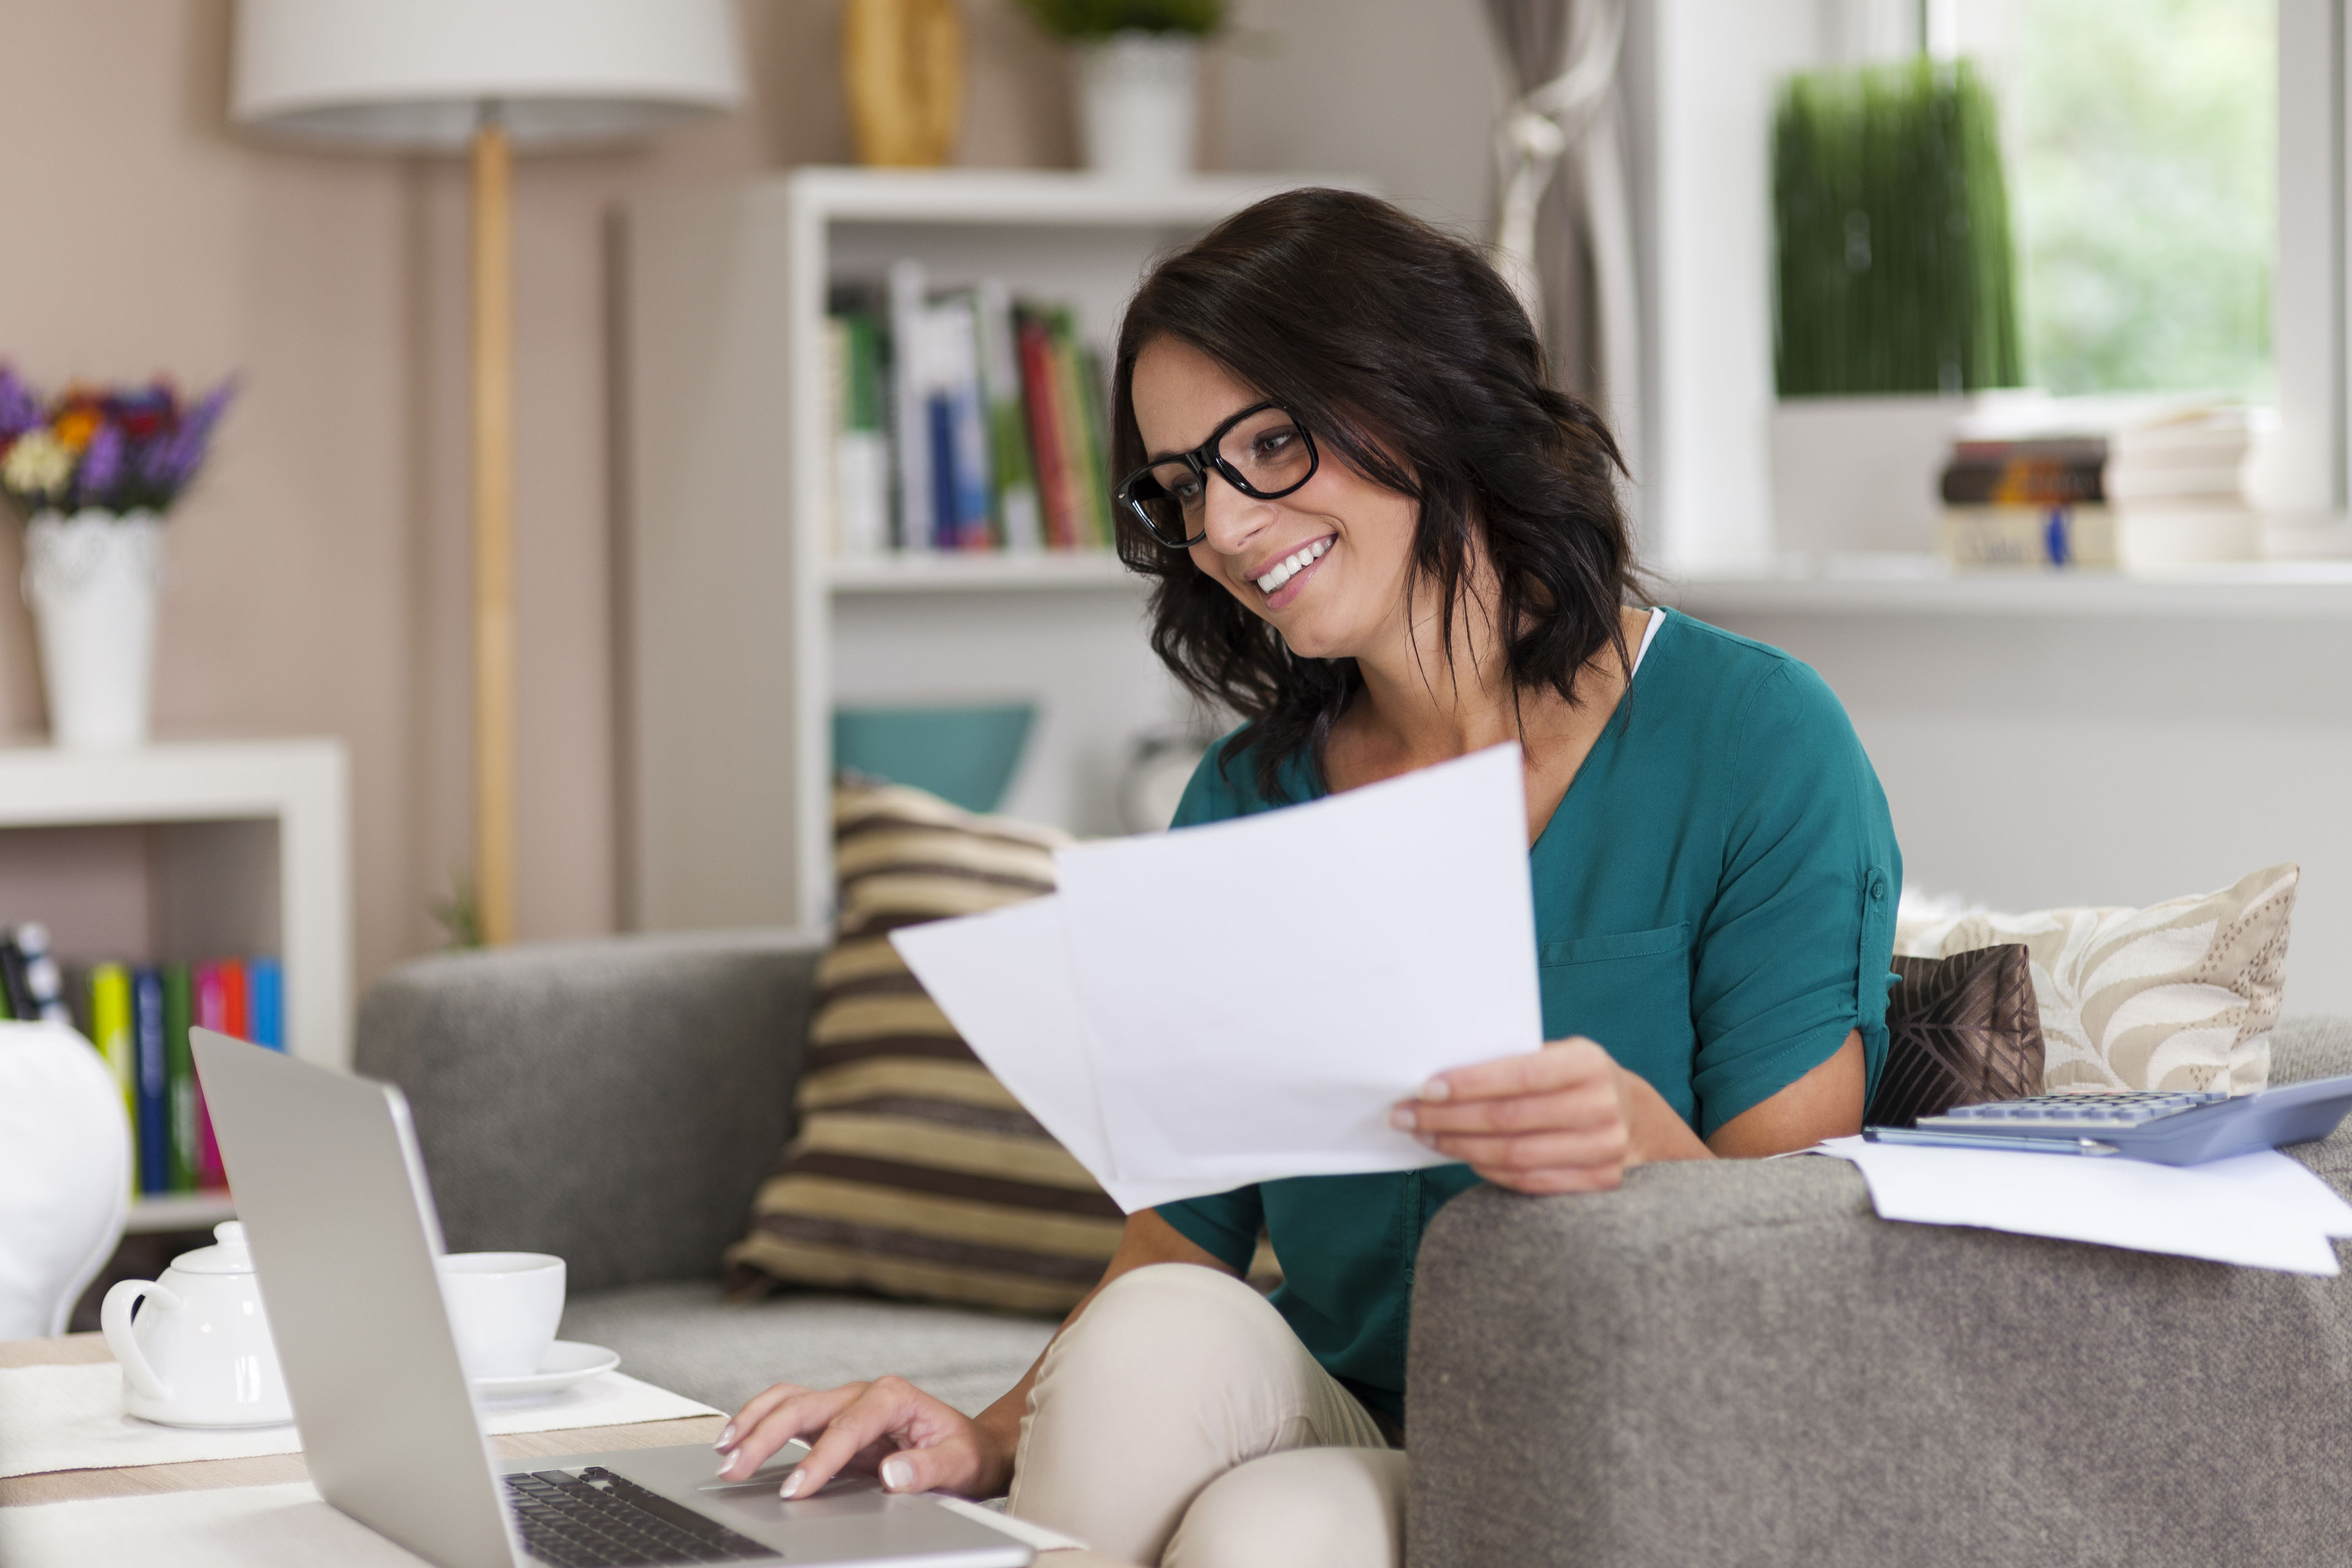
[1604, 1146]
[949, 1466]
[795, 1415]
[889, 1408]
[1552, 1120]
[754, 1411]
[1585, 1106]
[1561, 1065]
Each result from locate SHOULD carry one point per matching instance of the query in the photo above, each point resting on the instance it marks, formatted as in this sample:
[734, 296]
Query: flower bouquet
[92, 471]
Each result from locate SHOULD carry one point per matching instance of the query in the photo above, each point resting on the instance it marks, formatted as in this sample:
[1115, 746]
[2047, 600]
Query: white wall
[2033, 761]
[1402, 90]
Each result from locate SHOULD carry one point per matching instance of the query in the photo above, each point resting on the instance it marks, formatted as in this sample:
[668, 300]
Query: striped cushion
[914, 1172]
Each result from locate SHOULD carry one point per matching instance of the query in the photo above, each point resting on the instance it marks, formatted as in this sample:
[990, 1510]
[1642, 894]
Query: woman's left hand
[1566, 1119]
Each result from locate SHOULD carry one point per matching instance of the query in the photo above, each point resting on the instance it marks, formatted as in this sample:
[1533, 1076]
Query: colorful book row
[139, 1017]
[964, 421]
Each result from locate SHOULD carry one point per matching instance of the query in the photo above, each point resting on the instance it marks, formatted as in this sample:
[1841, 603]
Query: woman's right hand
[916, 1443]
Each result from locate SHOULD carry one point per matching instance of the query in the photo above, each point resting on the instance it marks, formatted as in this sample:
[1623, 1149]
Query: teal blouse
[1715, 904]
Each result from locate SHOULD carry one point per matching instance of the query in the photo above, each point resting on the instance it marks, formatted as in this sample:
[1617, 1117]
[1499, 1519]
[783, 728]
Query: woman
[1384, 539]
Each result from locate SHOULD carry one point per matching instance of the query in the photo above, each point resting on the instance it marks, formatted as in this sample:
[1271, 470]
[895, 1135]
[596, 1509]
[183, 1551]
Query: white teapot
[200, 1355]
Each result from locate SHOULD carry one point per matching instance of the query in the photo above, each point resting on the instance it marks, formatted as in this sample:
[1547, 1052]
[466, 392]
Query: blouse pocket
[1630, 990]
[1622, 944]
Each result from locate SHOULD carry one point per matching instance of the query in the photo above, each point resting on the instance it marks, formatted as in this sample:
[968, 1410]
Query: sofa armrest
[1740, 1363]
[616, 1102]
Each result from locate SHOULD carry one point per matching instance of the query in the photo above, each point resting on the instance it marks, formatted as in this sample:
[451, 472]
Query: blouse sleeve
[1224, 1226]
[1794, 953]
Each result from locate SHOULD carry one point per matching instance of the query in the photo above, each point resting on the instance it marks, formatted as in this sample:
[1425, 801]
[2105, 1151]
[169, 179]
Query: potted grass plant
[1895, 293]
[1138, 64]
[92, 471]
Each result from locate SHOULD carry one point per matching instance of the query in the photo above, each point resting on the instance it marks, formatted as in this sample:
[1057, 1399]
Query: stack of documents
[1244, 1001]
[2261, 1210]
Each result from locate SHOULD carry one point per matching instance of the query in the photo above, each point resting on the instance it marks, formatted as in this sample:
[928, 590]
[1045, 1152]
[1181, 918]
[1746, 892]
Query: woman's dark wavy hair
[1404, 354]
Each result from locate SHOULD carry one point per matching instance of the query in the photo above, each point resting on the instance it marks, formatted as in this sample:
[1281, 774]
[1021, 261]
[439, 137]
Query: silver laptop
[344, 1236]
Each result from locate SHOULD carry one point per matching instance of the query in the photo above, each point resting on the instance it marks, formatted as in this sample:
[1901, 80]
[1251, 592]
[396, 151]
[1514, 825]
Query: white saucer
[567, 1361]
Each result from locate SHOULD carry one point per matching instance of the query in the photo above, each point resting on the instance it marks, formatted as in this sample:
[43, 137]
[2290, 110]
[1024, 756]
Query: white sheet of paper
[1003, 979]
[2259, 1210]
[1258, 993]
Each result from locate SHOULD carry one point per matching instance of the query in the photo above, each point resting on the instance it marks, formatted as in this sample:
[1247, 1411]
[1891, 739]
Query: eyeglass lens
[1266, 450]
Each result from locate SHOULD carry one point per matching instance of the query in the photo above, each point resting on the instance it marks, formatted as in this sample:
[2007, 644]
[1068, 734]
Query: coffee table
[264, 1470]
[268, 1470]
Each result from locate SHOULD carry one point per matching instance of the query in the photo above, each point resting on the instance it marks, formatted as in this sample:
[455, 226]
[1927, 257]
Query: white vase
[1139, 103]
[92, 581]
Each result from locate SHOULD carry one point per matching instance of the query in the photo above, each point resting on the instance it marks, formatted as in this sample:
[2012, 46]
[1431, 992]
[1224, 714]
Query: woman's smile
[1285, 577]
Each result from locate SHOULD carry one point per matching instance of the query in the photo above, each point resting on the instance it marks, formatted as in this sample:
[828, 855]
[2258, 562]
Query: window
[2143, 192]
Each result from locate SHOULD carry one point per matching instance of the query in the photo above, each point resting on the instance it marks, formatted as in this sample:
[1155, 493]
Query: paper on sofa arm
[2261, 1210]
[1003, 979]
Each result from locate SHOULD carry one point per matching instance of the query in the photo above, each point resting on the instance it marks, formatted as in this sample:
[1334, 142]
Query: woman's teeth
[1290, 566]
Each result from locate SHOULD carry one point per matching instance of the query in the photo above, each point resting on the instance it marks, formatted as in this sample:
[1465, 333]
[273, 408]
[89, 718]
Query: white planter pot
[1139, 103]
[92, 581]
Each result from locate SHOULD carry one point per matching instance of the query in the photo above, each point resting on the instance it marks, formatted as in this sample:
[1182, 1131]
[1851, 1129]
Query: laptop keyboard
[596, 1520]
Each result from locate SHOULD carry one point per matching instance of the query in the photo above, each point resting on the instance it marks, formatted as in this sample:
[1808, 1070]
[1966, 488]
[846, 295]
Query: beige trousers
[1179, 1422]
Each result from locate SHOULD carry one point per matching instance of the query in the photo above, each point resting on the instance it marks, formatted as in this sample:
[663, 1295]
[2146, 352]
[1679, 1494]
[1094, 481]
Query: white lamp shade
[414, 74]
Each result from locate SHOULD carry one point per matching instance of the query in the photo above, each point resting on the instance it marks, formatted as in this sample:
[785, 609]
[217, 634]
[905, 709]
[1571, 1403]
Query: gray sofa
[1731, 1364]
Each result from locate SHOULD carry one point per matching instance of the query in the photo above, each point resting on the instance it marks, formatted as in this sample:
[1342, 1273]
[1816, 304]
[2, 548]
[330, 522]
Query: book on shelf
[962, 420]
[16, 993]
[1019, 524]
[2133, 482]
[45, 986]
[154, 1119]
[861, 451]
[180, 1068]
[2053, 534]
[110, 1031]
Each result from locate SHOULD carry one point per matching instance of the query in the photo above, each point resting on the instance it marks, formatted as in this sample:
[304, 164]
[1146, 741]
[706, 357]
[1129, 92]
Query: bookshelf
[184, 851]
[741, 632]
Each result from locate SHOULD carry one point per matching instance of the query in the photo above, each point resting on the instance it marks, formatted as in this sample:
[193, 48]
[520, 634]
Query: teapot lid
[227, 1255]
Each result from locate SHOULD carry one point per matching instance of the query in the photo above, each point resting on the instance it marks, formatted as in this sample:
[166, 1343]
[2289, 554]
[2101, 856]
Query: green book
[179, 1070]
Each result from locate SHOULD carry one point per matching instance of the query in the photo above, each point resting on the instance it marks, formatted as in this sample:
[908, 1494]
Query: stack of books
[2129, 485]
[962, 420]
[139, 1017]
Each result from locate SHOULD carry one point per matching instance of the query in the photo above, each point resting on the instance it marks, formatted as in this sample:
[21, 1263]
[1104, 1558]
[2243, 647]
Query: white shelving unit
[1918, 585]
[186, 851]
[742, 632]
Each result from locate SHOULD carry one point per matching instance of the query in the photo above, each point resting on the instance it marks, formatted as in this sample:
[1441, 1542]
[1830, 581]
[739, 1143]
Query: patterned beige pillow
[2178, 996]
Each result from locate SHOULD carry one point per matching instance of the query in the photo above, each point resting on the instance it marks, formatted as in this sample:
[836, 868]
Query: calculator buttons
[2057, 1112]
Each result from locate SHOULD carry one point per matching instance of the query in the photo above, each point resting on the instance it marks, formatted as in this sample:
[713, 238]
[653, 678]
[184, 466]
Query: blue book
[941, 410]
[265, 1003]
[154, 1082]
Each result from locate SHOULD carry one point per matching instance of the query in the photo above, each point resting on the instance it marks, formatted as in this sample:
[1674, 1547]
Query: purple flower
[19, 409]
[167, 464]
[102, 465]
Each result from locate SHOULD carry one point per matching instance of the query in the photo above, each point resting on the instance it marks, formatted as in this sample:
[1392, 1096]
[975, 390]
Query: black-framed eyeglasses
[1262, 451]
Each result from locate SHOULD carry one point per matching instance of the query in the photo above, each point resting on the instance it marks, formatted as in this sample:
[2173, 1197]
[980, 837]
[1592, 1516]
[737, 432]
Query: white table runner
[284, 1526]
[70, 1418]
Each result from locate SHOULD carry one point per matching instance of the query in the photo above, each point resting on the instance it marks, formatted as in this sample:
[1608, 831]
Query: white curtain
[1564, 233]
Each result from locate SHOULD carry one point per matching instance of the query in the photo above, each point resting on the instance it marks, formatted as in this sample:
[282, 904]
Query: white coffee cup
[504, 1308]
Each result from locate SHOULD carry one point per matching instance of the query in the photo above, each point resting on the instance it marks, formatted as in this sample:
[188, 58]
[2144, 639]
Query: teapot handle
[114, 1322]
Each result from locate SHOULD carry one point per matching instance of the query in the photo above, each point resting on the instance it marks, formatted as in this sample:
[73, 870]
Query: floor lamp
[488, 78]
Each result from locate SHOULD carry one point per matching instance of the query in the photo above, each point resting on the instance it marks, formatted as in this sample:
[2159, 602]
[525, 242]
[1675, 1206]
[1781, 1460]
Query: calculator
[2168, 1128]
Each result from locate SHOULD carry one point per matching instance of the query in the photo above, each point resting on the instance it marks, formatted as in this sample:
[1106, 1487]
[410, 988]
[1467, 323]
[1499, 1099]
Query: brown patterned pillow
[914, 1172]
[1961, 1030]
